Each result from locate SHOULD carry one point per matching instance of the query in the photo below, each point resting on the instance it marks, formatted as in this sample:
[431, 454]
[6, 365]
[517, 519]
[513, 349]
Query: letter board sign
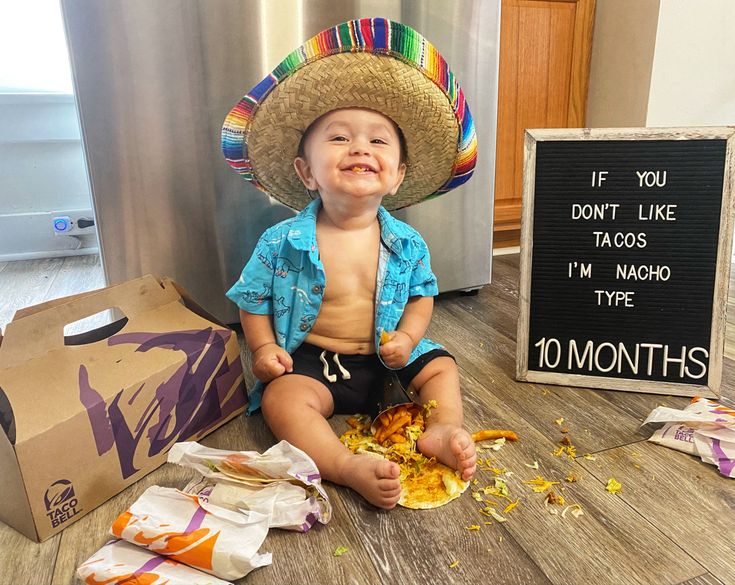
[625, 258]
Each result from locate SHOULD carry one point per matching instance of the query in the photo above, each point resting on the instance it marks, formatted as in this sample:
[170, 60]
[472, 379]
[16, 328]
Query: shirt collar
[302, 232]
[390, 231]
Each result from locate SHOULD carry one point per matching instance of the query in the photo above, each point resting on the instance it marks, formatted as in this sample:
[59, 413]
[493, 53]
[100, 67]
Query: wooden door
[544, 69]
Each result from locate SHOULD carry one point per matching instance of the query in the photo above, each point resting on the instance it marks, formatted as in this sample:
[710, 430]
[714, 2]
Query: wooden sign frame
[722, 270]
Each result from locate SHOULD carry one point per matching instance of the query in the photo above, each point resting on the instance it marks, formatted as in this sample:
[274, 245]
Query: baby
[321, 287]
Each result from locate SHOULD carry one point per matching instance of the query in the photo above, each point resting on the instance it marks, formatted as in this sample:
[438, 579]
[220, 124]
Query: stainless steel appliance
[153, 83]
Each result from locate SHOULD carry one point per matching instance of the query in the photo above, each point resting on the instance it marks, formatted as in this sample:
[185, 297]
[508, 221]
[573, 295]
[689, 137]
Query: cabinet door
[544, 69]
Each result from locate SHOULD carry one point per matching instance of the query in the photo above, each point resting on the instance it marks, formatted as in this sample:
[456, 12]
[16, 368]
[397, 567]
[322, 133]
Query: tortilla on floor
[425, 483]
[434, 486]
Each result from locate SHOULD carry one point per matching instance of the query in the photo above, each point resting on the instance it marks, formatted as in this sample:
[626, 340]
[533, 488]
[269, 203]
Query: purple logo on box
[201, 393]
[61, 503]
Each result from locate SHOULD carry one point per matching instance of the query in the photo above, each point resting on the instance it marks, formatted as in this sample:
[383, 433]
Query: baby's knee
[440, 366]
[443, 369]
[289, 393]
[275, 395]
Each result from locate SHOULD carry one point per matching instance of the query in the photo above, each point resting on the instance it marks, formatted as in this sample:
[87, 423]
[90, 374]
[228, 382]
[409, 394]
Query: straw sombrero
[369, 63]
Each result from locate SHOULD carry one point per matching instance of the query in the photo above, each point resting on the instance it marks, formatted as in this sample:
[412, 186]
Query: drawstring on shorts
[325, 371]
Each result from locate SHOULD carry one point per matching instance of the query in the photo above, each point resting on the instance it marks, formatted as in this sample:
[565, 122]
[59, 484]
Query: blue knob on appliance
[62, 224]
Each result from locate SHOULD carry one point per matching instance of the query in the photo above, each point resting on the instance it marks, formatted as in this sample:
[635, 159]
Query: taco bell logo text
[61, 503]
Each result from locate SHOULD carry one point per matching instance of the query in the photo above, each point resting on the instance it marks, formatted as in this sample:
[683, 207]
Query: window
[33, 45]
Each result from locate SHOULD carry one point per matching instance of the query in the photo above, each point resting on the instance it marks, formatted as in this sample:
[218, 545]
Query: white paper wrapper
[121, 563]
[212, 539]
[292, 497]
[704, 428]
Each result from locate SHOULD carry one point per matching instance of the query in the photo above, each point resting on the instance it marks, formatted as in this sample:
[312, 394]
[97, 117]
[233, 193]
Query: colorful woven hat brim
[373, 63]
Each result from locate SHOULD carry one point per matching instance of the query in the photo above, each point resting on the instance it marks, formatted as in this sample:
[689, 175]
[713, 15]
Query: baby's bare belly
[345, 327]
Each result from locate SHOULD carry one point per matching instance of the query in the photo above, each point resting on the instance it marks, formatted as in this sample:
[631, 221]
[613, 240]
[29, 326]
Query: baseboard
[48, 254]
[505, 251]
[25, 236]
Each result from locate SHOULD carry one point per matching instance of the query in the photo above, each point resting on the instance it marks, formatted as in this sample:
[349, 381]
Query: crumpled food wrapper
[121, 563]
[704, 428]
[180, 527]
[283, 483]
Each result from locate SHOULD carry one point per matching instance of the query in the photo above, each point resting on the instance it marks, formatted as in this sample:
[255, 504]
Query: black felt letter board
[623, 259]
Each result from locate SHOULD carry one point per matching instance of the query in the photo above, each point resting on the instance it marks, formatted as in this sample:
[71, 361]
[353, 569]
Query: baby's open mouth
[360, 169]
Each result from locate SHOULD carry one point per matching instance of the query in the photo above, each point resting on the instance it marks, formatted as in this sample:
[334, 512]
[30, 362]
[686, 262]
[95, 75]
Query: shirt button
[303, 327]
[316, 289]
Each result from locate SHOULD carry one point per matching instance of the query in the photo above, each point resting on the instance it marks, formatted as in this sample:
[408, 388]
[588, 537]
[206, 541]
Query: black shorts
[355, 381]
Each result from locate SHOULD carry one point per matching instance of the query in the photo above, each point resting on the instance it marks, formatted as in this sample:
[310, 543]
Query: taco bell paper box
[84, 417]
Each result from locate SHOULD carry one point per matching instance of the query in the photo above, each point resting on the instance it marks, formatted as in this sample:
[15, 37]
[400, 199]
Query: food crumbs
[339, 551]
[571, 478]
[498, 517]
[553, 498]
[540, 484]
[533, 465]
[501, 488]
[497, 444]
[589, 457]
[473, 527]
[614, 486]
[568, 450]
[510, 506]
[453, 565]
[559, 421]
[575, 510]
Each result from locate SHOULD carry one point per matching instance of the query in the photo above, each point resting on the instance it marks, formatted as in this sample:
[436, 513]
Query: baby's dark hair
[300, 152]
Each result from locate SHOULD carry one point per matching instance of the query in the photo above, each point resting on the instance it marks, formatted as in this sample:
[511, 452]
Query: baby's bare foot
[452, 446]
[374, 479]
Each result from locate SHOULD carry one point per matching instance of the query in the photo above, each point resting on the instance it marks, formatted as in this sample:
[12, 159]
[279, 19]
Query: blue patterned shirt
[285, 278]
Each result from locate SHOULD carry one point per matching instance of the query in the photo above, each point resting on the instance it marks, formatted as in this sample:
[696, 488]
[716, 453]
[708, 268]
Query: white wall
[693, 76]
[662, 63]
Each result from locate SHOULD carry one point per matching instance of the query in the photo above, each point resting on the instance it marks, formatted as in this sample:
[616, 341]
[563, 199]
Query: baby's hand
[270, 361]
[395, 353]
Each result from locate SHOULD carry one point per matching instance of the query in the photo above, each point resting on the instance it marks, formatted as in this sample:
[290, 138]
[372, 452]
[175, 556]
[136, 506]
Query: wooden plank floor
[673, 523]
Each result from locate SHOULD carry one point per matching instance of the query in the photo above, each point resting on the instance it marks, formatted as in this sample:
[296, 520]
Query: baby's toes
[462, 445]
[390, 491]
[387, 470]
[467, 468]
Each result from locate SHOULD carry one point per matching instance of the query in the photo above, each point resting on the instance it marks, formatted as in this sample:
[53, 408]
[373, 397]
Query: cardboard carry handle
[38, 333]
